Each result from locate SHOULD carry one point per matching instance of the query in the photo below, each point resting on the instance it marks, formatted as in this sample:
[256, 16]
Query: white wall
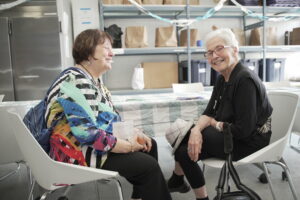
[66, 35]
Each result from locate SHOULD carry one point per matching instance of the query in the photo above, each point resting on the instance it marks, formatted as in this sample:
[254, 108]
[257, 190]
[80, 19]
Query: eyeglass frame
[214, 51]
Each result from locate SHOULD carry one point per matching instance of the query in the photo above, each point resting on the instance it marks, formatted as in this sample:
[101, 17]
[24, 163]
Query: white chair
[9, 150]
[51, 174]
[296, 131]
[277, 85]
[284, 111]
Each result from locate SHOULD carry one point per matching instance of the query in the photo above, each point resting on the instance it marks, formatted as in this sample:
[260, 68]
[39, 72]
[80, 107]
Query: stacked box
[252, 64]
[295, 36]
[200, 72]
[274, 69]
[283, 3]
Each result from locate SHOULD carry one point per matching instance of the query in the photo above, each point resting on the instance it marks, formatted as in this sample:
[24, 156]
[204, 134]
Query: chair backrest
[187, 87]
[284, 111]
[48, 173]
[9, 149]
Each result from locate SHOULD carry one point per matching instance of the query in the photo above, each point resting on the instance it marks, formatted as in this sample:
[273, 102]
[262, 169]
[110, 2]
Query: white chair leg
[67, 190]
[44, 196]
[287, 172]
[269, 180]
[30, 196]
[10, 173]
[120, 191]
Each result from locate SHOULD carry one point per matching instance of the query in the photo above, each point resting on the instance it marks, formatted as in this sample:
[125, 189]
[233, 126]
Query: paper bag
[165, 37]
[160, 74]
[127, 2]
[112, 1]
[240, 36]
[272, 36]
[255, 37]
[193, 37]
[136, 37]
[157, 2]
[137, 81]
[181, 2]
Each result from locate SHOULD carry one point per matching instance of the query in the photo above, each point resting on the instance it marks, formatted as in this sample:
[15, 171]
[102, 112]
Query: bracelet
[218, 126]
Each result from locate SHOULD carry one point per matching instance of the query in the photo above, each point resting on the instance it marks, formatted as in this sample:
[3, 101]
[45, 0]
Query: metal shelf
[129, 11]
[183, 50]
[150, 51]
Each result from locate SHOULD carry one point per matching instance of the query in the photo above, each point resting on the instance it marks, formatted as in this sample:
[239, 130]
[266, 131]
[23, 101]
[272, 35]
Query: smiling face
[221, 57]
[102, 58]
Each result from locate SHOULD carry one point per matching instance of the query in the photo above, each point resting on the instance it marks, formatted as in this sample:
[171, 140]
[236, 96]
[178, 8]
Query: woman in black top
[238, 98]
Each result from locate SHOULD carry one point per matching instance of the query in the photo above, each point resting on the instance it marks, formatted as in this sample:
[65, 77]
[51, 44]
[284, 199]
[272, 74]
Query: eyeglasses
[217, 50]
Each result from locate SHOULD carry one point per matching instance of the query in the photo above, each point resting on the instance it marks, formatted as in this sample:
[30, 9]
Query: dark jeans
[213, 146]
[142, 170]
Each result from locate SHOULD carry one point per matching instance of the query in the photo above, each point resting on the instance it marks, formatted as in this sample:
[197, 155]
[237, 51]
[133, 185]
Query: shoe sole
[181, 189]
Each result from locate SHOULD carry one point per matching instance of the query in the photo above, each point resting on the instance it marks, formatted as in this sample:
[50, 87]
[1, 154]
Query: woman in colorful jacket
[80, 110]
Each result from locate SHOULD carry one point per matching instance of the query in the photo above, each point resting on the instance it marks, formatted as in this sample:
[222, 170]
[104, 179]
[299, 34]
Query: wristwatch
[218, 126]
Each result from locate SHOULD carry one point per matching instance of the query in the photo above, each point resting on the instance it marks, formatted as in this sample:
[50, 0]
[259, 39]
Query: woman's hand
[136, 145]
[127, 146]
[143, 140]
[195, 144]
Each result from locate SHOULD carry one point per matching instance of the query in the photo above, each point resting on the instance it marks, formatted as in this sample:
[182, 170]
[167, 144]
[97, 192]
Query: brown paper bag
[127, 2]
[272, 36]
[193, 37]
[165, 37]
[255, 37]
[112, 1]
[157, 2]
[136, 37]
[160, 74]
[240, 36]
[181, 2]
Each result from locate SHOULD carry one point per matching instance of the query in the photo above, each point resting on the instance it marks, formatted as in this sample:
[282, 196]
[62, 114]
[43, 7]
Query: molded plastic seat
[284, 111]
[51, 174]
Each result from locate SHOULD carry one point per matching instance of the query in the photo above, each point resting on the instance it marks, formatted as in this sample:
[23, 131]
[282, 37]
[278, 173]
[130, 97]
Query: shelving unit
[192, 11]
[183, 50]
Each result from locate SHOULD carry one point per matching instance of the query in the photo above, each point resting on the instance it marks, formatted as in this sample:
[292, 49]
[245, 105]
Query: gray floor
[16, 186]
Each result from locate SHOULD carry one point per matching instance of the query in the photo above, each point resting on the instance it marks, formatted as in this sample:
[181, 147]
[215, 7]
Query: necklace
[98, 85]
[92, 78]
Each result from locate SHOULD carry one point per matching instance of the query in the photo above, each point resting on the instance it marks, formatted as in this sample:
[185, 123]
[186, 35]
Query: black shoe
[183, 188]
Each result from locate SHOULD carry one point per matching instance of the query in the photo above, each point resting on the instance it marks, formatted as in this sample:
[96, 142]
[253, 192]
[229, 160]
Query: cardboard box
[160, 74]
[112, 2]
[295, 36]
[181, 2]
[155, 2]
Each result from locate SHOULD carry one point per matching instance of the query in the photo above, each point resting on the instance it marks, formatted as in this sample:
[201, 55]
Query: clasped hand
[140, 141]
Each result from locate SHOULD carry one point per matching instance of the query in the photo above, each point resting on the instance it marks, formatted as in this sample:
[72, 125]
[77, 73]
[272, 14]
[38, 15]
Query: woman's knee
[181, 153]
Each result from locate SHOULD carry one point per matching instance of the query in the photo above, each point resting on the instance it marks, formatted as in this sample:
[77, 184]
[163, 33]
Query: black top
[242, 101]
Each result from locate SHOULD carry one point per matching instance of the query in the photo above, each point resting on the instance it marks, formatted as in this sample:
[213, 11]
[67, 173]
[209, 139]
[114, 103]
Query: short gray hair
[224, 33]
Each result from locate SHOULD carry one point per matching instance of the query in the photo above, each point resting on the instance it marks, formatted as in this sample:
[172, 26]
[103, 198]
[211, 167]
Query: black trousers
[213, 146]
[142, 170]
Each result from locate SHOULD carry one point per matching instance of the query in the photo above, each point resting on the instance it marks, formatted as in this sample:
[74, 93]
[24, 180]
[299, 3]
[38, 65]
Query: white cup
[123, 130]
